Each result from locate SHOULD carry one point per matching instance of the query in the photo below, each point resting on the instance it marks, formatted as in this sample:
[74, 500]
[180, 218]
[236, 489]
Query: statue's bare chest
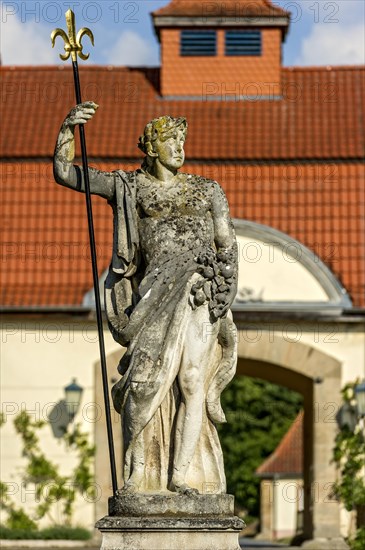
[185, 197]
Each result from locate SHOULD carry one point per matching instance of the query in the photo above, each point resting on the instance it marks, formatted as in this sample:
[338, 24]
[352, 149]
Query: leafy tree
[17, 517]
[53, 491]
[258, 415]
[349, 456]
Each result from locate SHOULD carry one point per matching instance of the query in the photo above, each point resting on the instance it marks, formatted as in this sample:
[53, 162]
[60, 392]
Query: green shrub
[16, 534]
[61, 490]
[57, 532]
[18, 519]
[349, 457]
[358, 543]
[60, 532]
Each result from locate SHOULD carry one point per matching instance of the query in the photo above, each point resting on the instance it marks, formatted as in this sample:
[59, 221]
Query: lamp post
[73, 393]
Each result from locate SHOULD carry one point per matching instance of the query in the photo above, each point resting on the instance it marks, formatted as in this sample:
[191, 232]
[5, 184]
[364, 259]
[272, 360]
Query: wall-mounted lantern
[360, 399]
[63, 413]
[73, 394]
[351, 412]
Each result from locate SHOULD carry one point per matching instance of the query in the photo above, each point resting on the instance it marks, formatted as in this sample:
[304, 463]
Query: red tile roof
[230, 8]
[293, 165]
[45, 259]
[319, 118]
[45, 254]
[287, 459]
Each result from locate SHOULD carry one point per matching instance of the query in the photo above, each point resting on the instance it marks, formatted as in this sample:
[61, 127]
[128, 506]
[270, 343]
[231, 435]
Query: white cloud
[132, 50]
[25, 43]
[349, 11]
[333, 44]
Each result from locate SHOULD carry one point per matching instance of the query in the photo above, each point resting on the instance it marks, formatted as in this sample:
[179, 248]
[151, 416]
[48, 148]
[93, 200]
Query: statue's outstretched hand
[64, 155]
[81, 114]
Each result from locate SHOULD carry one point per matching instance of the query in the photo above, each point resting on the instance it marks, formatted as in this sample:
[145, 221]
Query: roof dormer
[228, 50]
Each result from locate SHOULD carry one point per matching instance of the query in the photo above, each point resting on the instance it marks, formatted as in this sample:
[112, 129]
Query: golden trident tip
[72, 42]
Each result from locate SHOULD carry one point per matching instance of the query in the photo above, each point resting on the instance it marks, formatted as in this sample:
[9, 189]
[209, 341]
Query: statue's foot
[128, 488]
[184, 489]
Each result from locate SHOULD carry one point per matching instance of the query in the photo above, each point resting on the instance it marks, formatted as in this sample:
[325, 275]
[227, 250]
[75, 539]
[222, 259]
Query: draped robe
[150, 310]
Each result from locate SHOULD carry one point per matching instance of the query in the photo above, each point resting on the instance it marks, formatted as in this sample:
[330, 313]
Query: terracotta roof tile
[287, 459]
[230, 8]
[294, 164]
[45, 248]
[319, 117]
[45, 257]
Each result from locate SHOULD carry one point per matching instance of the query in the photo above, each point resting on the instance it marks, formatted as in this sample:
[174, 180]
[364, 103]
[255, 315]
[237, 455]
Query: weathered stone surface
[157, 533]
[171, 282]
[170, 541]
[109, 523]
[171, 505]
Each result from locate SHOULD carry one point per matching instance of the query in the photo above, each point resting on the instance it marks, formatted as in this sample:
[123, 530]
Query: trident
[74, 48]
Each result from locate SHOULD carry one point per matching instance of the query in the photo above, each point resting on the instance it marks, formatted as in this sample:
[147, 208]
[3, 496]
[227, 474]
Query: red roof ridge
[192, 7]
[287, 457]
[32, 68]
[124, 68]
[8, 68]
[324, 68]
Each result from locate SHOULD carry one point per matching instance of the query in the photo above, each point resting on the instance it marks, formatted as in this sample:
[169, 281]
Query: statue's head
[163, 138]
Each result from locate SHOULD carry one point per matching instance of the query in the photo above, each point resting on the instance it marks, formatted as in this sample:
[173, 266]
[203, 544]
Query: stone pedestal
[170, 522]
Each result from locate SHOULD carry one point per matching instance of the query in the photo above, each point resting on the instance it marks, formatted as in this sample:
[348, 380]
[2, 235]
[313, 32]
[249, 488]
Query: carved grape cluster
[217, 270]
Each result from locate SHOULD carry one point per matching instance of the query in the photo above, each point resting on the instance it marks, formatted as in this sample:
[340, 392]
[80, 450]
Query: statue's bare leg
[188, 428]
[195, 367]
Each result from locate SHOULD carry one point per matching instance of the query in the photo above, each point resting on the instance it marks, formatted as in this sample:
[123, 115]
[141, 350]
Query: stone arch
[317, 376]
[279, 273]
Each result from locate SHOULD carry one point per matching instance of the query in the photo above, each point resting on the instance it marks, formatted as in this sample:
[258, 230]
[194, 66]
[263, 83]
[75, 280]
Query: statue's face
[170, 151]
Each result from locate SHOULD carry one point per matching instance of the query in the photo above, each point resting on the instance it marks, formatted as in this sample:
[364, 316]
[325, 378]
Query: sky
[321, 32]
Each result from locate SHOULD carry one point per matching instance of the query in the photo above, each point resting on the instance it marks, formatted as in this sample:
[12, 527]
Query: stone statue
[171, 282]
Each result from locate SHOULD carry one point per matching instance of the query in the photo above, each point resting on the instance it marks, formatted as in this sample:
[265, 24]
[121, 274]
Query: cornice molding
[220, 21]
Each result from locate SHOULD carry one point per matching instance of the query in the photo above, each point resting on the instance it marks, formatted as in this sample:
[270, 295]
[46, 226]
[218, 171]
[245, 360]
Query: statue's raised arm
[68, 174]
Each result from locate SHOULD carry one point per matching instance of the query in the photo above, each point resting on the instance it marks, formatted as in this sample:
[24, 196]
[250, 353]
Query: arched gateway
[285, 294]
[298, 366]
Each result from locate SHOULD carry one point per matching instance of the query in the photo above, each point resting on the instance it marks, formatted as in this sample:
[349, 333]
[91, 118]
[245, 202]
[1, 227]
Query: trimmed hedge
[57, 532]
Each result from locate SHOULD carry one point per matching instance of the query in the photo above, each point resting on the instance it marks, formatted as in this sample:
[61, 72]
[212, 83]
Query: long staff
[74, 48]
